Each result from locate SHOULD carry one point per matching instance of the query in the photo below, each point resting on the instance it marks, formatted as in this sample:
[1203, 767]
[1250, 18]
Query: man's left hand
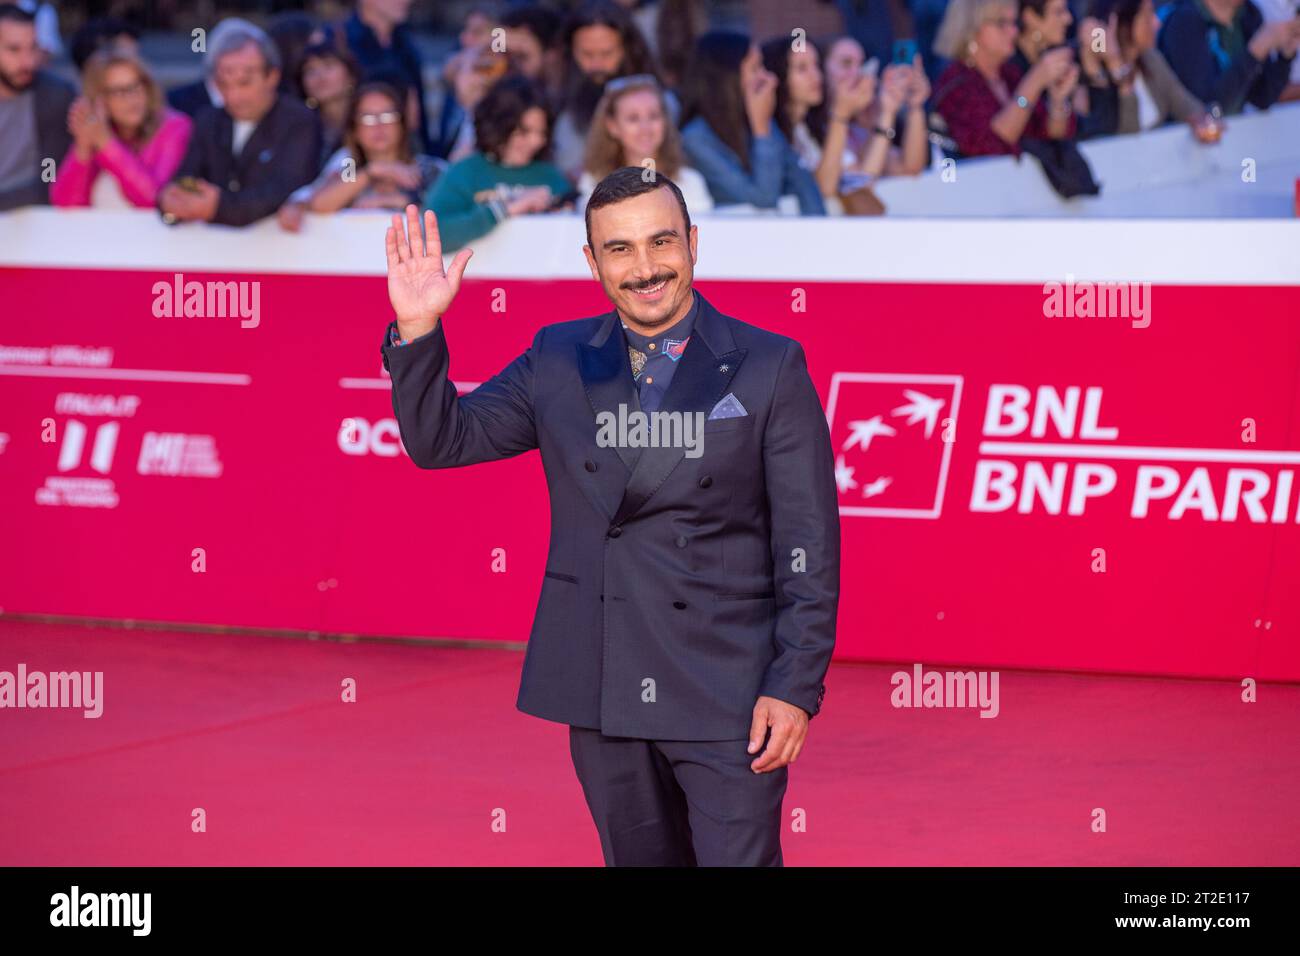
[789, 726]
[188, 206]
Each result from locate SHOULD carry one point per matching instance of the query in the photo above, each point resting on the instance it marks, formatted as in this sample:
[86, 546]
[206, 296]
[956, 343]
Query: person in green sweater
[507, 175]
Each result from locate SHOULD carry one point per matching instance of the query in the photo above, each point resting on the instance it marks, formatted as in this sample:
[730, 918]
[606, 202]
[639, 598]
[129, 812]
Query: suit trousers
[679, 802]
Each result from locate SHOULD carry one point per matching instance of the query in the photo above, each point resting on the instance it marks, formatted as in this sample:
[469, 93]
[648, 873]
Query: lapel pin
[724, 368]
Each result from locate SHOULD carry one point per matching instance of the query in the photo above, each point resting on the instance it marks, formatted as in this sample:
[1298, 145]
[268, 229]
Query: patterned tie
[638, 362]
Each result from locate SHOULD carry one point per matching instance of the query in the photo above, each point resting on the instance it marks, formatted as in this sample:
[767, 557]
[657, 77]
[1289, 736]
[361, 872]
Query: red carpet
[252, 730]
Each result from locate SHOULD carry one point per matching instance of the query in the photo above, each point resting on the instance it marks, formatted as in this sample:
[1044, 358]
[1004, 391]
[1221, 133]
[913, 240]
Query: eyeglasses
[379, 119]
[637, 79]
[131, 89]
[1002, 22]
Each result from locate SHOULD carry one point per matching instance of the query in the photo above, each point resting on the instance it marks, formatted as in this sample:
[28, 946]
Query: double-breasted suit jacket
[678, 588]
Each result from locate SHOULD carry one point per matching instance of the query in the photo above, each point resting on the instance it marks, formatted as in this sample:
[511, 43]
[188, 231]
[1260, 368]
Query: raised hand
[418, 288]
[853, 94]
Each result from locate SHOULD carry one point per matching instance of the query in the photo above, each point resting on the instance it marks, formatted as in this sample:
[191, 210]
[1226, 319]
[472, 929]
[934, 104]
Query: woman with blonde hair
[985, 99]
[122, 129]
[631, 125]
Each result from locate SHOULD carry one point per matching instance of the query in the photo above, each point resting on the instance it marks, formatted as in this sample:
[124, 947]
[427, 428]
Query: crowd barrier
[1252, 172]
[1026, 481]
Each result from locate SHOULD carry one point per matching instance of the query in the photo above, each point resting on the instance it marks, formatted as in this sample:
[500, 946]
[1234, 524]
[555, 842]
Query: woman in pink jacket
[127, 144]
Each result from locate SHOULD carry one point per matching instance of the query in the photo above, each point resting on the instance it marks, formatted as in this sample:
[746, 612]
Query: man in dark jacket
[34, 106]
[246, 158]
[1224, 53]
[687, 614]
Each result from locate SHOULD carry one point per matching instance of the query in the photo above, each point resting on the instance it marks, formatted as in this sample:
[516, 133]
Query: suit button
[680, 605]
[615, 531]
[681, 541]
[234, 185]
[706, 481]
[589, 465]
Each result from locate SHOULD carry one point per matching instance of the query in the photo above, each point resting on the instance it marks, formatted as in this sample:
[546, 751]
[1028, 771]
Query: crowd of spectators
[538, 103]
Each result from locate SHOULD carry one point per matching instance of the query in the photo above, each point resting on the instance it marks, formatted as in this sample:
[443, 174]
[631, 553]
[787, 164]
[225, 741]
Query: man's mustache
[663, 277]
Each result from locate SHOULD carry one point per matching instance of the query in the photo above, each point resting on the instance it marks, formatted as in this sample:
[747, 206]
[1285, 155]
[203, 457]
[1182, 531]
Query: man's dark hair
[12, 13]
[630, 181]
[96, 34]
[501, 111]
[540, 22]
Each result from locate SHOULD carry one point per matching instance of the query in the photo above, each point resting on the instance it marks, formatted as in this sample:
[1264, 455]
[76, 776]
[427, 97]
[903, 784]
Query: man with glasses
[247, 157]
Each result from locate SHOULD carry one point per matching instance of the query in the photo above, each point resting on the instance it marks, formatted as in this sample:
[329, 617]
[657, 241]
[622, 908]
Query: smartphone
[904, 51]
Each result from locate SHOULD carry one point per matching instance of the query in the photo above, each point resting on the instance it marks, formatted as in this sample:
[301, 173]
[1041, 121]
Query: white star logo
[871, 489]
[865, 430]
[920, 407]
[844, 475]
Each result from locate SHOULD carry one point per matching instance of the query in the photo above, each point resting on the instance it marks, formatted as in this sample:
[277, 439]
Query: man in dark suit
[246, 158]
[687, 613]
[193, 98]
[34, 106]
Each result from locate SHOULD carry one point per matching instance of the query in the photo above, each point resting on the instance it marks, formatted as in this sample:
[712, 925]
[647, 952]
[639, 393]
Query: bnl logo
[73, 448]
[893, 436]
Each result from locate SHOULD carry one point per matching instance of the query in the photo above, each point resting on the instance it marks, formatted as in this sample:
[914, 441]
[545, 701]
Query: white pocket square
[729, 407]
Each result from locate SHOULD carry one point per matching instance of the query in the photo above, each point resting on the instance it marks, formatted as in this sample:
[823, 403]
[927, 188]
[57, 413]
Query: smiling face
[638, 124]
[643, 258]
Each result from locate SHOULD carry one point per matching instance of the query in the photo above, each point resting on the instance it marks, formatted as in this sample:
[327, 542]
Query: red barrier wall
[273, 449]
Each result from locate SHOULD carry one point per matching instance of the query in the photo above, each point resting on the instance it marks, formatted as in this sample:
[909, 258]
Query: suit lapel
[708, 365]
[607, 376]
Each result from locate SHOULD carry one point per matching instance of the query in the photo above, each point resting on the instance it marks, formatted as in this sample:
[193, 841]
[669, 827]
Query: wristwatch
[888, 132]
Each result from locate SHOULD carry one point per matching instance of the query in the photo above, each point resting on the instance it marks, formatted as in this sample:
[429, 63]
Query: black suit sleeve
[443, 430]
[804, 506]
[296, 158]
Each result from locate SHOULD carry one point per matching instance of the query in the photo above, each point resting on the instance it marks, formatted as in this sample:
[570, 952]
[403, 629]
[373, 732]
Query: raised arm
[440, 429]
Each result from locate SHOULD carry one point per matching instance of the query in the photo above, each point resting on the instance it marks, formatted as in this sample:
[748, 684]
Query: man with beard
[600, 42]
[687, 613]
[33, 113]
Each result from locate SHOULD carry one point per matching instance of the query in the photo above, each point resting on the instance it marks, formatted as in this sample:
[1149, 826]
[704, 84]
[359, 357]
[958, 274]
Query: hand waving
[418, 288]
